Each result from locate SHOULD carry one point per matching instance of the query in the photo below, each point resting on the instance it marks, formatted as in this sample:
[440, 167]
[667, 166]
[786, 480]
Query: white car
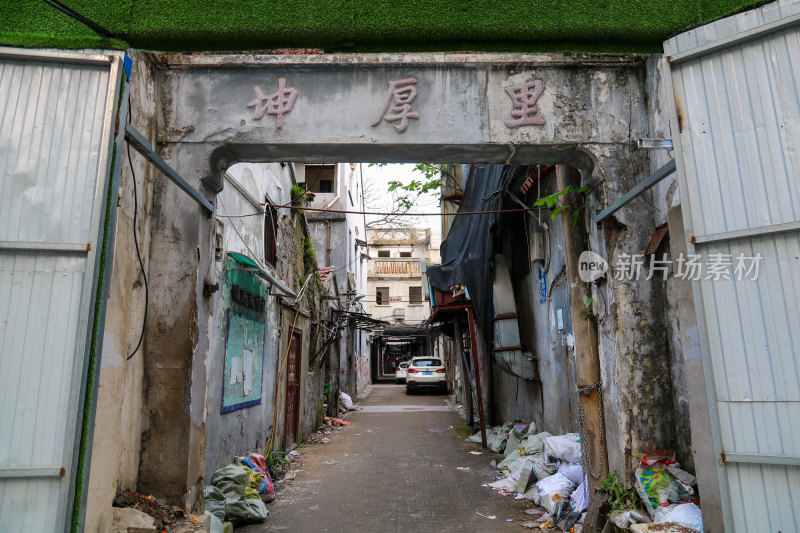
[400, 373]
[426, 372]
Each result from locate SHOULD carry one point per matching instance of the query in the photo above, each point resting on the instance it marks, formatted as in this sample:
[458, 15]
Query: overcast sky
[378, 177]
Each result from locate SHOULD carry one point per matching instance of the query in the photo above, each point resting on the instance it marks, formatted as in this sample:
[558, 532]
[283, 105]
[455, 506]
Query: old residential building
[340, 245]
[395, 276]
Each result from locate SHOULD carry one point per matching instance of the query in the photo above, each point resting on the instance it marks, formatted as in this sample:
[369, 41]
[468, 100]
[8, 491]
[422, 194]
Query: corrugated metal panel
[736, 120]
[55, 133]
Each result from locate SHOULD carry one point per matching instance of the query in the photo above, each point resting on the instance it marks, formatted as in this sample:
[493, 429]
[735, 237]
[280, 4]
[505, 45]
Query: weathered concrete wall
[238, 432]
[592, 108]
[115, 449]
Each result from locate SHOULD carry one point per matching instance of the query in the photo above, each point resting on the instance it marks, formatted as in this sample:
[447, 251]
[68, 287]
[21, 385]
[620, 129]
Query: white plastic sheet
[572, 471]
[565, 447]
[687, 514]
[552, 490]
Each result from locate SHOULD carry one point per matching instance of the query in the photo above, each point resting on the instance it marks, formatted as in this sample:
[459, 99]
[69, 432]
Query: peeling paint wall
[238, 432]
[118, 422]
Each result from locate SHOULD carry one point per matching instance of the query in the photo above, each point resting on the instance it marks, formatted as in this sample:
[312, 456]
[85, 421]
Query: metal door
[56, 135]
[293, 388]
[736, 130]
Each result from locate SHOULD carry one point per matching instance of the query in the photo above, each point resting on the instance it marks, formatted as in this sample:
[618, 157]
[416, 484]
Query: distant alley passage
[396, 468]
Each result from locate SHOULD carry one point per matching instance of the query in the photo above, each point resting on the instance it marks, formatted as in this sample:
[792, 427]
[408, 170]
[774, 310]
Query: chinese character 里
[524, 97]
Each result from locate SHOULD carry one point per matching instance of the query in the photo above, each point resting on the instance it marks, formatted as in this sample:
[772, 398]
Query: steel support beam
[637, 190]
[143, 146]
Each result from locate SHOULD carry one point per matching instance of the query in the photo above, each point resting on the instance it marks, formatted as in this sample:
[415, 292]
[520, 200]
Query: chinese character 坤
[399, 96]
[524, 96]
[278, 103]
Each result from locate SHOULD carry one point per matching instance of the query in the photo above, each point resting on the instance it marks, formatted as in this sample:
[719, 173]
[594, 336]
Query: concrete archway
[216, 111]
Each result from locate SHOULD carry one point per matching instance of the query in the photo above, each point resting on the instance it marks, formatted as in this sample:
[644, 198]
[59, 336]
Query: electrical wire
[384, 213]
[136, 242]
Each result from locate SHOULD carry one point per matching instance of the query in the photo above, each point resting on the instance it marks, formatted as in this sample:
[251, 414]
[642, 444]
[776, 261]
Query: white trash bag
[346, 401]
[572, 471]
[565, 447]
[687, 514]
[552, 490]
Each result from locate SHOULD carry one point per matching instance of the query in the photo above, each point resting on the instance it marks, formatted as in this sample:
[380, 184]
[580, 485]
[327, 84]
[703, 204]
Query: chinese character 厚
[399, 96]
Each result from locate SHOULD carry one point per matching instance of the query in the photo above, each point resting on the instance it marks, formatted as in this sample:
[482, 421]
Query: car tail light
[441, 371]
[412, 370]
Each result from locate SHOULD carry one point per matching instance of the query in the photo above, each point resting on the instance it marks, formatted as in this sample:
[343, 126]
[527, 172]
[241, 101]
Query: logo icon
[591, 266]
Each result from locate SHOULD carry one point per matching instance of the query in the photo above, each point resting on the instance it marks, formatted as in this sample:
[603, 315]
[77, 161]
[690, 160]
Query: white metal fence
[56, 131]
[736, 127]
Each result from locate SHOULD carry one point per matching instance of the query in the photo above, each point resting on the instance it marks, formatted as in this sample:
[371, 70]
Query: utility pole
[584, 329]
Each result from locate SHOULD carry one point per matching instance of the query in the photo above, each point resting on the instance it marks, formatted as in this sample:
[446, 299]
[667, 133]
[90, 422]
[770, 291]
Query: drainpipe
[338, 189]
[587, 355]
[328, 246]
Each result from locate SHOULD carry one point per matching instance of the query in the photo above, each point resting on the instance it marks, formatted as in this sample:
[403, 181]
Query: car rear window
[403, 365]
[427, 362]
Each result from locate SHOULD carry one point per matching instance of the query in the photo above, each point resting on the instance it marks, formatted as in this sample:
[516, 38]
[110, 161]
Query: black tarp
[468, 252]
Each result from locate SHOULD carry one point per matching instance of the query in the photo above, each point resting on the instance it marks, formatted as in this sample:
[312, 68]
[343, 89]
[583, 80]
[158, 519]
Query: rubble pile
[165, 517]
[547, 470]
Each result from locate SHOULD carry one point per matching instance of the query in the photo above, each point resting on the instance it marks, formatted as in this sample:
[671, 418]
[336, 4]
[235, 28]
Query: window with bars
[415, 295]
[382, 295]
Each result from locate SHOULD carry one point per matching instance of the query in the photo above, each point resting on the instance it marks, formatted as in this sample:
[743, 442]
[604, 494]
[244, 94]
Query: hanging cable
[136, 242]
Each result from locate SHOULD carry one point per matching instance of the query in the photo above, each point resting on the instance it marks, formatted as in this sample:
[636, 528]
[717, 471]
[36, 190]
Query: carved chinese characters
[396, 108]
[399, 96]
[278, 103]
[524, 97]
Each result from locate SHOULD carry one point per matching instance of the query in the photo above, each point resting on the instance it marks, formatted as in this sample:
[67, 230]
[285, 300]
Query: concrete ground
[396, 468]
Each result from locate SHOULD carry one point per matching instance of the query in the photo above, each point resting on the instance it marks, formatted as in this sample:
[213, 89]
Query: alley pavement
[400, 466]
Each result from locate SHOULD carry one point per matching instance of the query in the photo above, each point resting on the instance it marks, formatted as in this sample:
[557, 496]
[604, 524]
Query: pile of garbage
[329, 426]
[547, 470]
[667, 493]
[159, 515]
[543, 468]
[238, 492]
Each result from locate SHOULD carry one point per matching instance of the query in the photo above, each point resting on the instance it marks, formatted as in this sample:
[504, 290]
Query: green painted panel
[245, 296]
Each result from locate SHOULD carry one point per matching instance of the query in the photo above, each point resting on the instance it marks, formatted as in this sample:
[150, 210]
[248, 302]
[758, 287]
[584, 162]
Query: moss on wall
[610, 26]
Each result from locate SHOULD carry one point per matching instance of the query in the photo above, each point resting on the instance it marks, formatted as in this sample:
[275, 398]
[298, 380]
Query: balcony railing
[401, 266]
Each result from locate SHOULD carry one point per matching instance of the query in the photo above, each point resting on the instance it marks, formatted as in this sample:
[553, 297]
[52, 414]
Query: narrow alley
[237, 237]
[401, 466]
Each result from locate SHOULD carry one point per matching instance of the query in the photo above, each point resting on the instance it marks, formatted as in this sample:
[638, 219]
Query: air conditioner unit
[399, 315]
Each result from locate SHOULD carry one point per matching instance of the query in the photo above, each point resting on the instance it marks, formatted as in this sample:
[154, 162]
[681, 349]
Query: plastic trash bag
[580, 498]
[515, 438]
[214, 502]
[658, 487]
[552, 490]
[533, 444]
[572, 471]
[216, 524]
[246, 511]
[258, 464]
[543, 469]
[232, 481]
[346, 401]
[687, 514]
[565, 447]
[509, 460]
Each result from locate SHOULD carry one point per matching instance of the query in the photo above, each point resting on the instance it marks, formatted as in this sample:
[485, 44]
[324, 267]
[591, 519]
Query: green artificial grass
[611, 26]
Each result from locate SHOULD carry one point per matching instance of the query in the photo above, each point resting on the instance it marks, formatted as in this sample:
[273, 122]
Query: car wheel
[409, 390]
